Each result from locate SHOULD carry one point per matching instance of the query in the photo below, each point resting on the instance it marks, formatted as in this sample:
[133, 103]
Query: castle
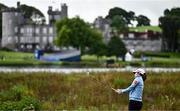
[140, 41]
[20, 35]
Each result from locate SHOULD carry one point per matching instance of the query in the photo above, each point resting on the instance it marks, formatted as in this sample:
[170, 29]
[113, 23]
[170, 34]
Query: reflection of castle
[18, 34]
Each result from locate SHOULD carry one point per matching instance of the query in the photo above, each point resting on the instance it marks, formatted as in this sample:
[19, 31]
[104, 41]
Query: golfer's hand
[119, 91]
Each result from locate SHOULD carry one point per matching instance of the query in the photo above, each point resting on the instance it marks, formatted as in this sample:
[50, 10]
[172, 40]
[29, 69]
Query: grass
[8, 58]
[144, 28]
[154, 60]
[16, 55]
[92, 91]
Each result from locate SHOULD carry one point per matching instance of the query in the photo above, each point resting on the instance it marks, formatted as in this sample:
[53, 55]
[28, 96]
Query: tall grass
[92, 91]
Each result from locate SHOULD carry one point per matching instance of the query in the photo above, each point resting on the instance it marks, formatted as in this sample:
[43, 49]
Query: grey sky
[90, 9]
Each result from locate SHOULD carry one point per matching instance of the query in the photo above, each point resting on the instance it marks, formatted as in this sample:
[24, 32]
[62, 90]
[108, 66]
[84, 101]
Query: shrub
[152, 54]
[18, 98]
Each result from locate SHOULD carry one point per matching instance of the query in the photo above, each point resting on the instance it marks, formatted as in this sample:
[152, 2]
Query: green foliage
[63, 37]
[119, 24]
[18, 98]
[151, 54]
[138, 54]
[116, 11]
[28, 11]
[127, 17]
[118, 82]
[142, 20]
[98, 48]
[76, 33]
[163, 64]
[116, 47]
[170, 24]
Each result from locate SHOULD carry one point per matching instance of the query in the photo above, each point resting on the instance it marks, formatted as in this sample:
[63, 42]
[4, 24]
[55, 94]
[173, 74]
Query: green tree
[118, 25]
[76, 33]
[170, 24]
[116, 11]
[63, 37]
[29, 11]
[142, 20]
[98, 47]
[116, 47]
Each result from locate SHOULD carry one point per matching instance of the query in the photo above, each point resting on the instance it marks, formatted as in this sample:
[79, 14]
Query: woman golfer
[135, 90]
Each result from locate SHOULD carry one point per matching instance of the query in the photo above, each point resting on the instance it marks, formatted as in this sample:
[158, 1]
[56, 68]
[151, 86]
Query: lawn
[16, 55]
[85, 91]
[144, 28]
[154, 60]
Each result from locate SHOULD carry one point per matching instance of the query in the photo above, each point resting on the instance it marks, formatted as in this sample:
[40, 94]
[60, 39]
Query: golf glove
[119, 91]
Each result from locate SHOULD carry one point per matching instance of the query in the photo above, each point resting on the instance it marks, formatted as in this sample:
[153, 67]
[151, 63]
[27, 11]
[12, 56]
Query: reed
[91, 91]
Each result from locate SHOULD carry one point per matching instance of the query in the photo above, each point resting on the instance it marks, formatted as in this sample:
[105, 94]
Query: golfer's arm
[128, 89]
[132, 86]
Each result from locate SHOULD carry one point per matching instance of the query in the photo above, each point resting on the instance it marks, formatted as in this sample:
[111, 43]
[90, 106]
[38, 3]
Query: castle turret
[12, 18]
[57, 15]
[64, 10]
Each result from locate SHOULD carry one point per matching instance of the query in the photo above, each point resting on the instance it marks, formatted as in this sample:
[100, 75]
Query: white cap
[139, 70]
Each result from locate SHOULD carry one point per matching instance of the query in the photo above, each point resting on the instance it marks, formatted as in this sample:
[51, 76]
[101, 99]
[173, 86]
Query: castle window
[44, 30]
[16, 39]
[16, 29]
[50, 30]
[37, 30]
[51, 39]
[22, 30]
[16, 14]
[10, 22]
[22, 46]
[29, 30]
[9, 39]
[30, 39]
[22, 39]
[37, 40]
[29, 46]
[44, 39]
[37, 47]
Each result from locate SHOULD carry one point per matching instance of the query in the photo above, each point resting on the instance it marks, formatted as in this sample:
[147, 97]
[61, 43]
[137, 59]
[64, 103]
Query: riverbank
[81, 70]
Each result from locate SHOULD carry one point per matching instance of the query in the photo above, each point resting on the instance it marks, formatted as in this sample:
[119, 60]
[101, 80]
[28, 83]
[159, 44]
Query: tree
[116, 11]
[98, 47]
[29, 12]
[170, 24]
[116, 47]
[118, 24]
[63, 35]
[142, 20]
[76, 33]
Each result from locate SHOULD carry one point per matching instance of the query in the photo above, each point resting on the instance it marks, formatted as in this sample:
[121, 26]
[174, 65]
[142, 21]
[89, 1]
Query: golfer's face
[136, 74]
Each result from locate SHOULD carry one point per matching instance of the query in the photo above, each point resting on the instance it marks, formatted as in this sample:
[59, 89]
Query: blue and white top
[135, 89]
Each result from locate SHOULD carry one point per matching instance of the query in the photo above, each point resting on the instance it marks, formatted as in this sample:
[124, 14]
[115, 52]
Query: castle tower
[12, 18]
[64, 10]
[57, 15]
